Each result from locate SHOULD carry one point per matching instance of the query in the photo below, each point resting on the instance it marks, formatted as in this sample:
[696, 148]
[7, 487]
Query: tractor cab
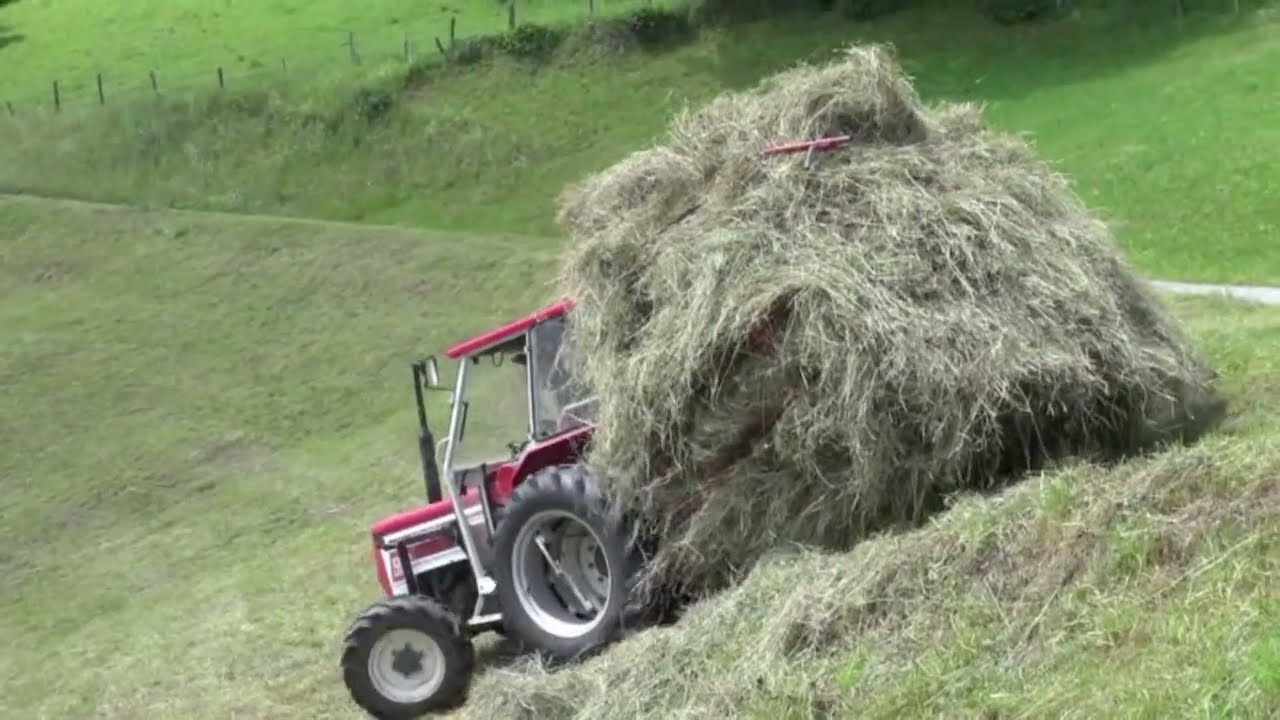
[521, 373]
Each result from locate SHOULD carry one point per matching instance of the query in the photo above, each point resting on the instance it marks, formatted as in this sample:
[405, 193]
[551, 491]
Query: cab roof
[499, 335]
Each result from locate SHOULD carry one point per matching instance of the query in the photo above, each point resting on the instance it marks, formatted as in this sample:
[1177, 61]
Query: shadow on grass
[8, 36]
[954, 53]
[501, 653]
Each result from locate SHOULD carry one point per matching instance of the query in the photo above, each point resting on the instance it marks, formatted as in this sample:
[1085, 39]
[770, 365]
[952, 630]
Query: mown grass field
[211, 411]
[1168, 130]
[212, 408]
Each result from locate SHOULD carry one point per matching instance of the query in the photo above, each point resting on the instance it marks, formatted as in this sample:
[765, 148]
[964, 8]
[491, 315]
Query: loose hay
[939, 311]
[1038, 579]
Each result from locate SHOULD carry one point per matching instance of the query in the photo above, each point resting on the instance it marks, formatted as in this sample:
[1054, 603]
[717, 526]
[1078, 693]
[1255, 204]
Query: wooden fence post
[406, 47]
[511, 15]
[155, 85]
[453, 30]
[351, 47]
[591, 7]
[9, 106]
[221, 81]
[57, 98]
[102, 98]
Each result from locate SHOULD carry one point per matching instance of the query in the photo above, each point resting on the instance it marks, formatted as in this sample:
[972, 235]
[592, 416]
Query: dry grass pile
[803, 353]
[1083, 593]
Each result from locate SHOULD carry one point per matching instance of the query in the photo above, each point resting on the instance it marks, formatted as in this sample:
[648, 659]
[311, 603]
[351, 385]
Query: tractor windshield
[558, 402]
[496, 387]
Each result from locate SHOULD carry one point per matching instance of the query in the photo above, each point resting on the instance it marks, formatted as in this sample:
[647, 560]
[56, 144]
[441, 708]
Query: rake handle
[827, 143]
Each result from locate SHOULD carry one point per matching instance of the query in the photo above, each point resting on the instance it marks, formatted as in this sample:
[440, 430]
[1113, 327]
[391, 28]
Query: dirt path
[48, 201]
[1249, 293]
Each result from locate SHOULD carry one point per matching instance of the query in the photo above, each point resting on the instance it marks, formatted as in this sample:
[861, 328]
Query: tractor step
[481, 622]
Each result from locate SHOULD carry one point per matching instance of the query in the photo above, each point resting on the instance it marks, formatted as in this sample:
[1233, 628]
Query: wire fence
[303, 57]
[306, 55]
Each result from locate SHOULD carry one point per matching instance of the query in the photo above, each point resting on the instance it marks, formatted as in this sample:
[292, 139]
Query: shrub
[719, 12]
[868, 9]
[530, 41]
[372, 104]
[1012, 12]
[469, 51]
[654, 27]
[715, 12]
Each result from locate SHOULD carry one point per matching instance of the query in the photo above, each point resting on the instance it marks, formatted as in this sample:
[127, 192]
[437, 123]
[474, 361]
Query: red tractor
[524, 544]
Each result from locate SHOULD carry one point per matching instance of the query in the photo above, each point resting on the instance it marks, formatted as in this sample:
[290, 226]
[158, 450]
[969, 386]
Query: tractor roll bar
[424, 376]
[484, 584]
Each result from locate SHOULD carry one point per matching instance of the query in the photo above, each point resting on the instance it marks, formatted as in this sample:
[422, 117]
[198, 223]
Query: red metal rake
[808, 147]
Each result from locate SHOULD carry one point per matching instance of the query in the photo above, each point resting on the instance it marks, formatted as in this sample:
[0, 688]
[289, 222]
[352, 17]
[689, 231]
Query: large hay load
[787, 351]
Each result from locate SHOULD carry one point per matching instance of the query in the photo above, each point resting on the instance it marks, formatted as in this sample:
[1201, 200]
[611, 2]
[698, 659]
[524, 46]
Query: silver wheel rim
[556, 601]
[406, 666]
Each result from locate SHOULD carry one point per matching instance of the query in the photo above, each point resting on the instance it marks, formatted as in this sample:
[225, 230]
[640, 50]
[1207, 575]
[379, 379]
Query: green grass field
[184, 41]
[212, 406]
[207, 403]
[1168, 131]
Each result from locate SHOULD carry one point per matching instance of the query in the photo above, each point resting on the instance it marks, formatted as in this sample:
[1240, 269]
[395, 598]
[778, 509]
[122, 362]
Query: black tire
[420, 615]
[566, 489]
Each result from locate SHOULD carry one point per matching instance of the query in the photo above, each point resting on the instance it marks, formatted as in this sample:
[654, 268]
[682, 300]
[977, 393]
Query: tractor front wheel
[562, 563]
[405, 657]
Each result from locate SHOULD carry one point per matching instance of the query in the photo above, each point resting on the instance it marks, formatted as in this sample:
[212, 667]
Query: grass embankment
[1167, 130]
[203, 412]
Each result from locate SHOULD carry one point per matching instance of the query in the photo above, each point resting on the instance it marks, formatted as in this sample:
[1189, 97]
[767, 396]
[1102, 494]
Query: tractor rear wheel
[405, 657]
[562, 563]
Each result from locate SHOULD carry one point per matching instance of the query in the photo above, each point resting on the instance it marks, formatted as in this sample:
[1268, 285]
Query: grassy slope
[209, 410]
[212, 407]
[185, 40]
[1123, 107]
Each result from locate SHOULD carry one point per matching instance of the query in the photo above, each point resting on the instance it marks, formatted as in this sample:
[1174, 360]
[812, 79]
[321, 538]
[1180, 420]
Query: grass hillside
[1166, 128]
[212, 408]
[183, 41]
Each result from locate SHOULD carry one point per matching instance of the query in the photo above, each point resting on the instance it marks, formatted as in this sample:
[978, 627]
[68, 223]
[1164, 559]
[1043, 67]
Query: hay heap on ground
[805, 354]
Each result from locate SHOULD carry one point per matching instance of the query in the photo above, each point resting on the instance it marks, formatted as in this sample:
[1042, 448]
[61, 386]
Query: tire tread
[585, 499]
[458, 650]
